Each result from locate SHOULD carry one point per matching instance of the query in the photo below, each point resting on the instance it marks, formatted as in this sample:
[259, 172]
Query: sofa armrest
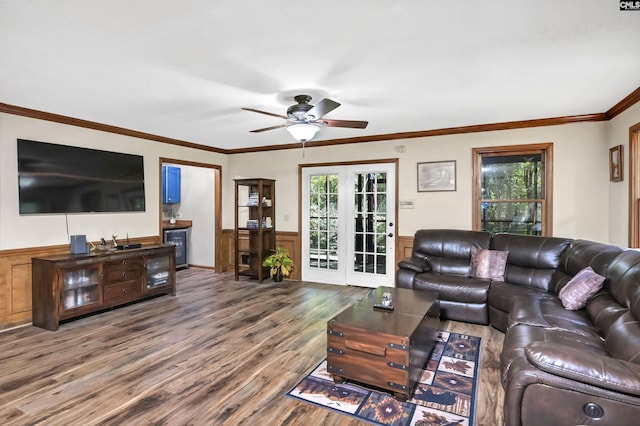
[414, 264]
[585, 367]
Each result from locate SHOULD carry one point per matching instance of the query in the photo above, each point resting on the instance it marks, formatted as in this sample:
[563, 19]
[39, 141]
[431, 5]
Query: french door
[348, 224]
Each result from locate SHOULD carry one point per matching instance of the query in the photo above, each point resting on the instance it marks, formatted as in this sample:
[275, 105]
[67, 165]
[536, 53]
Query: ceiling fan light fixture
[303, 132]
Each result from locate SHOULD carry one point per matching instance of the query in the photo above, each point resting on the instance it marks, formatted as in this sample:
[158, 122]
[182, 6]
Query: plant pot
[277, 277]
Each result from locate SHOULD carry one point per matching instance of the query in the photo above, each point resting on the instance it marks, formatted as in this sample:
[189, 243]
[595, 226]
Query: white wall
[197, 205]
[18, 231]
[586, 204]
[581, 182]
[617, 133]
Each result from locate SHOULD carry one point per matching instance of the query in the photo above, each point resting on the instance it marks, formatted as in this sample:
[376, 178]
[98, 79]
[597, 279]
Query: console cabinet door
[80, 289]
[158, 273]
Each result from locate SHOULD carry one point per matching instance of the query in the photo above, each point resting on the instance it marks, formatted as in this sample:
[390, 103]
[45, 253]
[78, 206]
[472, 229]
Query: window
[512, 189]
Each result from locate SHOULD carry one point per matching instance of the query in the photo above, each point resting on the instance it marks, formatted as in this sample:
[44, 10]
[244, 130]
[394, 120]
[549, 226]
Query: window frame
[634, 185]
[546, 151]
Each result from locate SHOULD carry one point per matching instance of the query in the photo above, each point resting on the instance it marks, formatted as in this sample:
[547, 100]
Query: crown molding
[509, 125]
[63, 119]
[618, 108]
[624, 104]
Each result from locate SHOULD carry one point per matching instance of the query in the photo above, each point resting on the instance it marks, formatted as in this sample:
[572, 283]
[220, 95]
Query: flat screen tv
[56, 178]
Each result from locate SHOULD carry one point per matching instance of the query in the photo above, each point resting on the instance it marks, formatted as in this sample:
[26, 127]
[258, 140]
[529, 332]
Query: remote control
[381, 307]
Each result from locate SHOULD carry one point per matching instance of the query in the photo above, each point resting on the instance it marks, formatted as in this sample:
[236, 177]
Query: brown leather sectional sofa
[559, 366]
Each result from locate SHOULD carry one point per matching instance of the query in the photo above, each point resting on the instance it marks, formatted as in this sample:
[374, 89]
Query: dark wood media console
[68, 286]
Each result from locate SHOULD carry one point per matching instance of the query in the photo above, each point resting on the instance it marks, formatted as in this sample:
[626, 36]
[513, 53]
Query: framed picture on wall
[437, 176]
[615, 164]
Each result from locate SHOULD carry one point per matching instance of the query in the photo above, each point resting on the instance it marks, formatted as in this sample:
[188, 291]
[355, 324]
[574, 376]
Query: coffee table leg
[400, 397]
[338, 379]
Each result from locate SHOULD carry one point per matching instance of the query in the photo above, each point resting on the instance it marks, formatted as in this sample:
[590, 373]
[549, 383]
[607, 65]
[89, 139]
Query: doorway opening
[201, 200]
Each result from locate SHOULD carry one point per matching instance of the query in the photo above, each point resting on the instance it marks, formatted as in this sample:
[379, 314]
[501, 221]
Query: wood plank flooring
[222, 352]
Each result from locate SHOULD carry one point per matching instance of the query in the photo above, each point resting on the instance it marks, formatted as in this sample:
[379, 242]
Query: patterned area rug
[445, 395]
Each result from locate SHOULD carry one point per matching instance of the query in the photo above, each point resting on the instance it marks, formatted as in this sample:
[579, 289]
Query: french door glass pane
[370, 223]
[323, 222]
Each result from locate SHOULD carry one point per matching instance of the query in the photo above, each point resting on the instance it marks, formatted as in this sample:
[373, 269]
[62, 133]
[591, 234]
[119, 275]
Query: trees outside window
[512, 189]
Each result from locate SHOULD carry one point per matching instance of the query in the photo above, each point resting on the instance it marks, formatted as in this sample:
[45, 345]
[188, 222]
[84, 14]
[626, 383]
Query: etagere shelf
[255, 226]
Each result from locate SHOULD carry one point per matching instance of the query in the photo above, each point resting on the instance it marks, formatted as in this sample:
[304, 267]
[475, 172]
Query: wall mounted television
[56, 178]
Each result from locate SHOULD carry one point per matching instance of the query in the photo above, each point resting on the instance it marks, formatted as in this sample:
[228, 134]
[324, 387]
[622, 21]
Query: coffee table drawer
[378, 360]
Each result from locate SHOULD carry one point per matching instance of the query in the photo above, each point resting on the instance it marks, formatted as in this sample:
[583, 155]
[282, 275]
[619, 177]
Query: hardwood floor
[220, 352]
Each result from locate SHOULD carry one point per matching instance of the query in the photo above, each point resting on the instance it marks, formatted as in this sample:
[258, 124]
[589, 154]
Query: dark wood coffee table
[383, 349]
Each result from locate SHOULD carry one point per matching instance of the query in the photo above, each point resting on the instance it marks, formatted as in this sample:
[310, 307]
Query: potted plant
[279, 264]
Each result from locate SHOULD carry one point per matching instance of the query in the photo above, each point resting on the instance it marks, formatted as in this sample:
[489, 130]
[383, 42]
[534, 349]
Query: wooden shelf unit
[255, 226]
[68, 286]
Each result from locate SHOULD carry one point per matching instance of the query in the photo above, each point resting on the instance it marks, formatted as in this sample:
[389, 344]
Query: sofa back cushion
[448, 251]
[623, 339]
[624, 281]
[579, 255]
[532, 260]
[615, 311]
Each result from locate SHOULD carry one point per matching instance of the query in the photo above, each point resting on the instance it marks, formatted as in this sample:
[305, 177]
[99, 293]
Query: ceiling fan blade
[267, 128]
[264, 112]
[320, 109]
[355, 124]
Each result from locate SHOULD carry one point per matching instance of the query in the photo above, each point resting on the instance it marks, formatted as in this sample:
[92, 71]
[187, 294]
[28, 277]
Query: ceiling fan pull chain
[302, 149]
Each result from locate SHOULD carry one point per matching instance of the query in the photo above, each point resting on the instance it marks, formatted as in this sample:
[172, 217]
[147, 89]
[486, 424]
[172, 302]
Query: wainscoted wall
[290, 241]
[15, 270]
[404, 245]
[15, 280]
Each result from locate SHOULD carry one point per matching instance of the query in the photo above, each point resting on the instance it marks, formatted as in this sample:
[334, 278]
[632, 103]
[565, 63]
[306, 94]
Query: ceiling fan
[304, 119]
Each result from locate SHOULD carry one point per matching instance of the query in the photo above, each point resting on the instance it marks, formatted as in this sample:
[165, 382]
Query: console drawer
[123, 271]
[122, 292]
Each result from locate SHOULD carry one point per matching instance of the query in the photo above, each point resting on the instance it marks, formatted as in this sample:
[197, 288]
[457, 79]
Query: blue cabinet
[170, 185]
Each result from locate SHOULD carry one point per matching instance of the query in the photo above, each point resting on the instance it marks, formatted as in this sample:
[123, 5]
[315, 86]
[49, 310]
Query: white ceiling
[183, 68]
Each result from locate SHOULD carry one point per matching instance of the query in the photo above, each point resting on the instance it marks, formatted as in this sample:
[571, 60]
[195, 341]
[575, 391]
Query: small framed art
[615, 164]
[436, 176]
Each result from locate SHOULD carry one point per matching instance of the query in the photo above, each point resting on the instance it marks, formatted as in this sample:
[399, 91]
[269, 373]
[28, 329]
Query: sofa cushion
[579, 255]
[623, 278]
[623, 339]
[532, 260]
[583, 366]
[488, 263]
[604, 311]
[453, 287]
[448, 251]
[580, 289]
[503, 294]
[549, 313]
[518, 337]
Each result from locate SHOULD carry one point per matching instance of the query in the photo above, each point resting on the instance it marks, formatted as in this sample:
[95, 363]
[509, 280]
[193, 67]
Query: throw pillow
[488, 263]
[580, 288]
